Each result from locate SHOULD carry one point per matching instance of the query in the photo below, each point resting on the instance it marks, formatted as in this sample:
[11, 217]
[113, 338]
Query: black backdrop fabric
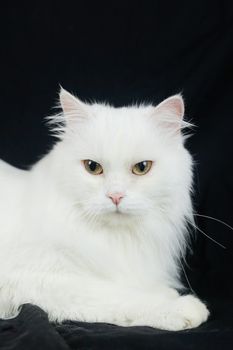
[123, 52]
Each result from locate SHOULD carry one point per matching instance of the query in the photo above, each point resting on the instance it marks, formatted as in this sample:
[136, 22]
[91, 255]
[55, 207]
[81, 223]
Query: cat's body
[69, 248]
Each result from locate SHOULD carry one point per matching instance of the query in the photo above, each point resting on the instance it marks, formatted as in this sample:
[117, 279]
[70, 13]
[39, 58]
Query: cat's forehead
[121, 133]
[114, 114]
[124, 124]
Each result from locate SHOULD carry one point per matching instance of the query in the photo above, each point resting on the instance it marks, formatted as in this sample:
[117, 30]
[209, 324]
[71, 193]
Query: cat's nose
[116, 197]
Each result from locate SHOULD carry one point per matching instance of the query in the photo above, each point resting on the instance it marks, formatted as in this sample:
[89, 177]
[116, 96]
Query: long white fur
[63, 245]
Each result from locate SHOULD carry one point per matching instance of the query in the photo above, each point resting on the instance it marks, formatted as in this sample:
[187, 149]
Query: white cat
[95, 230]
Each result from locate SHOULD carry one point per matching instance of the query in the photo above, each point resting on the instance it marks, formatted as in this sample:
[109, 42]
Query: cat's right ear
[72, 107]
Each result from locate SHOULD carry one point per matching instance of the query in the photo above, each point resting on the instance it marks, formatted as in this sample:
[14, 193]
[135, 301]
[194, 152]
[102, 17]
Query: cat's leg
[95, 300]
[101, 301]
[163, 309]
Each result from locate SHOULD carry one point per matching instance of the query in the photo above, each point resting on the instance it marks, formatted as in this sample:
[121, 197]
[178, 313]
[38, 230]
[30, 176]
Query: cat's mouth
[116, 210]
[120, 211]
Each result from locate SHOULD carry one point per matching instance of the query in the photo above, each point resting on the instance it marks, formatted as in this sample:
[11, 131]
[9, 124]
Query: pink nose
[116, 197]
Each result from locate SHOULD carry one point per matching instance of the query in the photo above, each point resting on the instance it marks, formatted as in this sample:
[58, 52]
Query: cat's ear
[72, 107]
[173, 106]
[170, 113]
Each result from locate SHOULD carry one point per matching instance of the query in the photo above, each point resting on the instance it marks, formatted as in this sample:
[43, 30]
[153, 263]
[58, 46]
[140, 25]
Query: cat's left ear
[72, 107]
[170, 113]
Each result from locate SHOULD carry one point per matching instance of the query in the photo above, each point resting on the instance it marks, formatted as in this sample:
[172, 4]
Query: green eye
[92, 167]
[142, 168]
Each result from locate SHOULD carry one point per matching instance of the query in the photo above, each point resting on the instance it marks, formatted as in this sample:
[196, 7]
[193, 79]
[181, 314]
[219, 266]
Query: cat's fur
[65, 247]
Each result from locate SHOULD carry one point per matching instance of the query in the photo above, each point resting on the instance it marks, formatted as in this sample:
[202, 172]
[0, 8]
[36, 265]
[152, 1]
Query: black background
[123, 52]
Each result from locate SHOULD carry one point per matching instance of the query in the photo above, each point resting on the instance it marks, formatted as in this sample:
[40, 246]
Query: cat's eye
[93, 167]
[142, 168]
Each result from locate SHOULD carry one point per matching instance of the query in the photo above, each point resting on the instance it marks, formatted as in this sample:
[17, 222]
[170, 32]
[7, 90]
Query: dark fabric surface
[31, 330]
[122, 52]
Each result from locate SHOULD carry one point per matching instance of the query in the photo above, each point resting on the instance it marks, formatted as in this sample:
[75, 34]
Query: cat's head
[121, 164]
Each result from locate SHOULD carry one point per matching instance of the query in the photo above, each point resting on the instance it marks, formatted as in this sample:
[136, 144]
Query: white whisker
[212, 218]
[205, 234]
[186, 277]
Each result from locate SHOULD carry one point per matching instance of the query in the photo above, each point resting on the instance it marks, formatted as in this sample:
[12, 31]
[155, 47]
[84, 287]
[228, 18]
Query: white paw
[192, 310]
[183, 313]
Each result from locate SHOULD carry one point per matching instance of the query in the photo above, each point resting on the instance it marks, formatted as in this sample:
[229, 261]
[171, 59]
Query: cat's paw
[183, 313]
[192, 310]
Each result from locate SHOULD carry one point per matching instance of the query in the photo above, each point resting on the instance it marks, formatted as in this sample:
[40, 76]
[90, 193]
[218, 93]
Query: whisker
[212, 218]
[186, 277]
[205, 234]
[92, 219]
[90, 216]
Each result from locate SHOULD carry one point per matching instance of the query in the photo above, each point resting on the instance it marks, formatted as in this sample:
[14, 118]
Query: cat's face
[123, 163]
